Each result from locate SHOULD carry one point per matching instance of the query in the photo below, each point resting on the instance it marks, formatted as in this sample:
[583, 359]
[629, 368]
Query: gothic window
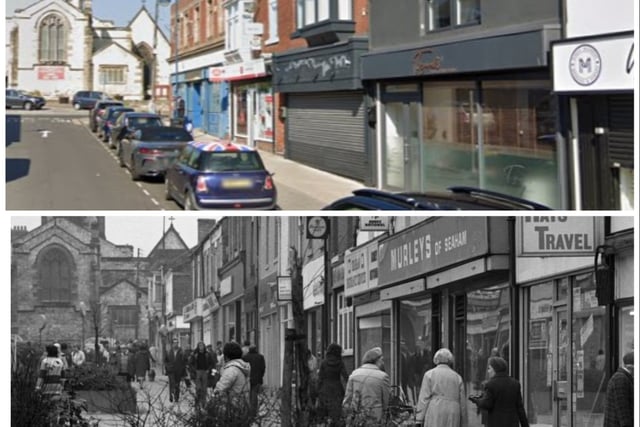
[52, 40]
[55, 276]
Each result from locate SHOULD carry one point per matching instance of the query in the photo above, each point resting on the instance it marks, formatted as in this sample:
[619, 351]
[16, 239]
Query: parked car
[457, 198]
[86, 99]
[129, 122]
[22, 99]
[219, 175]
[109, 117]
[95, 115]
[150, 150]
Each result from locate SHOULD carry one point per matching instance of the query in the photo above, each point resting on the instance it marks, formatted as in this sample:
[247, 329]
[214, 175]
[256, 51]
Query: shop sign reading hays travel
[431, 246]
[557, 236]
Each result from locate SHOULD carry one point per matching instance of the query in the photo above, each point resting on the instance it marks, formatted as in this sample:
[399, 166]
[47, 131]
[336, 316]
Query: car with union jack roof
[220, 175]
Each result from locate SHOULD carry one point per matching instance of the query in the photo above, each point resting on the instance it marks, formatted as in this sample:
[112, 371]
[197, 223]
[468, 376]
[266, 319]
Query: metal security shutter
[620, 109]
[327, 131]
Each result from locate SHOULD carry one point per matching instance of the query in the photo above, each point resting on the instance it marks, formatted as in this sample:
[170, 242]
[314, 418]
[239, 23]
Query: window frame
[455, 18]
[49, 289]
[333, 13]
[53, 26]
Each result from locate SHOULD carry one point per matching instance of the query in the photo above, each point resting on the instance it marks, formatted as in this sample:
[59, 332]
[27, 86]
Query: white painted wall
[115, 55]
[593, 17]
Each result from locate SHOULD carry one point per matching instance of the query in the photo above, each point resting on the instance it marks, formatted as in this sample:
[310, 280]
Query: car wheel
[28, 105]
[135, 176]
[189, 204]
[76, 106]
[167, 192]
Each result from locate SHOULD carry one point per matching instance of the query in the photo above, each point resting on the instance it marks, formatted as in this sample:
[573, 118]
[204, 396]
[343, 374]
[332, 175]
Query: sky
[142, 232]
[118, 11]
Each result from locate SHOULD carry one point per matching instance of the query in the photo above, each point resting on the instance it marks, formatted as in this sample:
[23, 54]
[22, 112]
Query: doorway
[402, 147]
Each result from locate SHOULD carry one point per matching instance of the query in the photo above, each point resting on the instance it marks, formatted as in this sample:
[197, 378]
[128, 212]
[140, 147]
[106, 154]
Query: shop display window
[626, 328]
[374, 331]
[416, 352]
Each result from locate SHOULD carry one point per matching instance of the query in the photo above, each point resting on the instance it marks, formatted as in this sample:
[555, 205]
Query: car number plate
[236, 183]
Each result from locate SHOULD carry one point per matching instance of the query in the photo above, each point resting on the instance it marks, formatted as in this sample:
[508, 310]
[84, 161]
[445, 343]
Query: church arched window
[52, 40]
[55, 275]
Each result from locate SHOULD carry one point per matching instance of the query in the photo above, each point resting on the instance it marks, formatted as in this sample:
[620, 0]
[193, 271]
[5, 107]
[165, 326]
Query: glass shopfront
[565, 353]
[374, 331]
[497, 135]
[253, 112]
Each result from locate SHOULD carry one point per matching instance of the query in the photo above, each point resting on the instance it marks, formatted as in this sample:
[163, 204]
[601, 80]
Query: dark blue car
[219, 175]
[109, 120]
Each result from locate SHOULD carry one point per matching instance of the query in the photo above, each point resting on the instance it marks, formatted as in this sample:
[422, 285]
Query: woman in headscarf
[501, 397]
[442, 400]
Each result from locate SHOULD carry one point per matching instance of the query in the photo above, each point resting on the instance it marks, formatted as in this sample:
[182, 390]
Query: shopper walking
[442, 401]
[142, 362]
[367, 394]
[77, 356]
[175, 369]
[201, 362]
[258, 367]
[618, 411]
[331, 380]
[234, 380]
[501, 397]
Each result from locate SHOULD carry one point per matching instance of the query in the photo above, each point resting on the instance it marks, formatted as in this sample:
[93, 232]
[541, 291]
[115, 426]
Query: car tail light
[144, 150]
[268, 183]
[201, 185]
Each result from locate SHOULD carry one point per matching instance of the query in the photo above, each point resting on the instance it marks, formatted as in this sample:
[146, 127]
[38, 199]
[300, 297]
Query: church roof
[100, 45]
[171, 240]
[143, 9]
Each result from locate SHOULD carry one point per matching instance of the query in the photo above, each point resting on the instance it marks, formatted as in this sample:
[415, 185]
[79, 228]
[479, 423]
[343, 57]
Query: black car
[129, 122]
[457, 198]
[86, 99]
[95, 115]
[21, 99]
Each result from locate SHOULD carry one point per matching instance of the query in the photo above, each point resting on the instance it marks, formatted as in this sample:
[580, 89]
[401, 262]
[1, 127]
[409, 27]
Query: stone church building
[57, 47]
[66, 277]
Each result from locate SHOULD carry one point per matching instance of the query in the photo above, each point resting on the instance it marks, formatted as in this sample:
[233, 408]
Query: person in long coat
[331, 380]
[618, 410]
[442, 400]
[175, 367]
[368, 390]
[235, 377]
[142, 362]
[501, 397]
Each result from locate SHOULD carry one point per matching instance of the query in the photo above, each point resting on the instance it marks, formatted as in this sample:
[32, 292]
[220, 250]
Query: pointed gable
[170, 241]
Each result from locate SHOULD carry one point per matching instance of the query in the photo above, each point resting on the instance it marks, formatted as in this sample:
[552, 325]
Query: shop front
[313, 300]
[210, 308]
[571, 320]
[192, 315]
[457, 114]
[252, 107]
[232, 311]
[324, 108]
[595, 76]
[445, 281]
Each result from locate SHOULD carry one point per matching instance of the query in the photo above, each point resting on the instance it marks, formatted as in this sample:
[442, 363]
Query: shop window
[625, 328]
[375, 331]
[589, 352]
[241, 111]
[345, 324]
[495, 135]
[482, 328]
[416, 344]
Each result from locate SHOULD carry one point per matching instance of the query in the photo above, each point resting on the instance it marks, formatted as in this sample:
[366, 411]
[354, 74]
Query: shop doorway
[402, 147]
[560, 367]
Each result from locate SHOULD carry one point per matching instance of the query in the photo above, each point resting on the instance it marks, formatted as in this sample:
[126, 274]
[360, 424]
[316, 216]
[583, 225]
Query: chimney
[204, 228]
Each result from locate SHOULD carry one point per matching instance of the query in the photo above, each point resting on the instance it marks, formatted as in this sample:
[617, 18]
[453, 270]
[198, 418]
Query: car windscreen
[164, 134]
[225, 161]
[115, 113]
[140, 122]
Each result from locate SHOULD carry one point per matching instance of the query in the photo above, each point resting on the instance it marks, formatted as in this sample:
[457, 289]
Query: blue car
[109, 117]
[219, 175]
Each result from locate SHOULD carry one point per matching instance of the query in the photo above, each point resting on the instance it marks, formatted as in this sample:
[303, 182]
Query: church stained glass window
[52, 40]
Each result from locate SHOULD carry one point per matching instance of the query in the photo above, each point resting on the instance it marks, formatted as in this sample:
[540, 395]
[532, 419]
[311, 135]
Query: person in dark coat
[142, 361]
[618, 411]
[202, 362]
[501, 397]
[331, 380]
[175, 367]
[258, 366]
